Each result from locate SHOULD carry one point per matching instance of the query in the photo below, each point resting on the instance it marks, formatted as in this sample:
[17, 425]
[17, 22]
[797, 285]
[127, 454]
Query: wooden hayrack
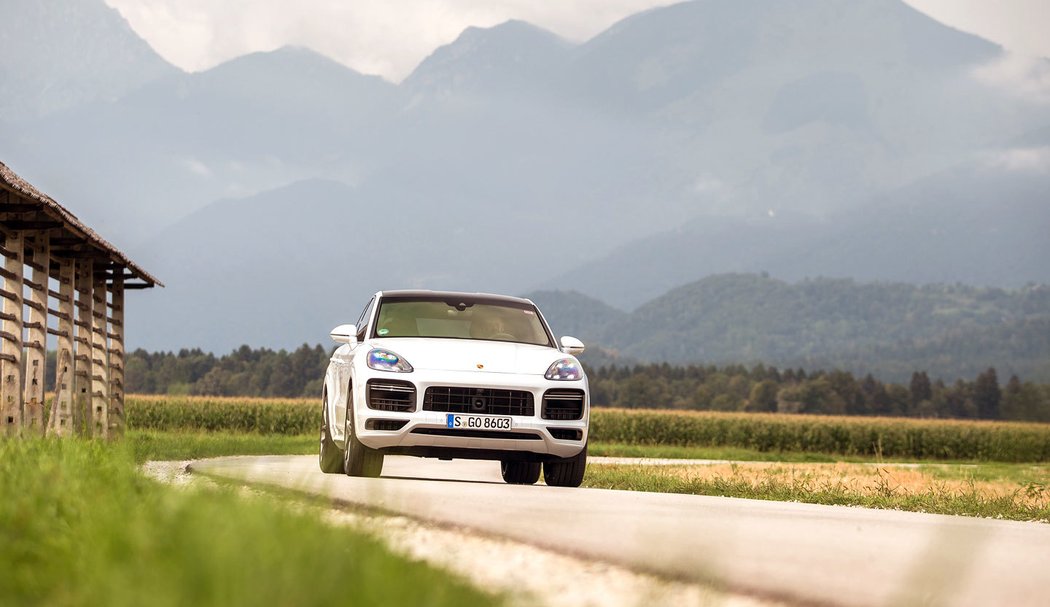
[61, 279]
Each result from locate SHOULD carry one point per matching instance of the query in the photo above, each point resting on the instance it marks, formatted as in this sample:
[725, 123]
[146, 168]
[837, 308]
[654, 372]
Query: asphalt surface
[798, 553]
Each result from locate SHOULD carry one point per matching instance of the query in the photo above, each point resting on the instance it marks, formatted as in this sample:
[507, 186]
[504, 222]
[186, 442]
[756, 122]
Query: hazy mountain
[978, 224]
[63, 53]
[240, 271]
[798, 137]
[511, 58]
[252, 124]
[889, 329]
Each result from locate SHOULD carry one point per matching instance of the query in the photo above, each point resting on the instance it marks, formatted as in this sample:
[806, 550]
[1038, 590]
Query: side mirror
[344, 334]
[571, 345]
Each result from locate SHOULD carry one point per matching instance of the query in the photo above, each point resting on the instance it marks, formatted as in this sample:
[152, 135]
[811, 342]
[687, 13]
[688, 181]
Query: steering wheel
[503, 336]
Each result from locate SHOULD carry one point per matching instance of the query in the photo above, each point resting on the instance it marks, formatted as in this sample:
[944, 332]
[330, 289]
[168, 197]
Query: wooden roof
[22, 207]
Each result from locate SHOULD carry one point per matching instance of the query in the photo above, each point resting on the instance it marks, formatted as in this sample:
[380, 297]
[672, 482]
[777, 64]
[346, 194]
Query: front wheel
[520, 473]
[359, 460]
[330, 456]
[566, 472]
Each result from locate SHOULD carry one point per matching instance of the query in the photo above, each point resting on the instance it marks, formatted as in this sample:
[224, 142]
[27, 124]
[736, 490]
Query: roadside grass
[149, 445]
[80, 525]
[1007, 491]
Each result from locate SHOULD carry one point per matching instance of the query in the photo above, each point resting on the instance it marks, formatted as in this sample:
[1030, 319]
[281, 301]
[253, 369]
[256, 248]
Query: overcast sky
[390, 37]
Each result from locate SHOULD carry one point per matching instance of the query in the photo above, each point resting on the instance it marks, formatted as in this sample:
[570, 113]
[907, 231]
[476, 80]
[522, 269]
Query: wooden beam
[36, 336]
[99, 359]
[57, 295]
[117, 419]
[19, 224]
[61, 422]
[14, 207]
[83, 421]
[11, 404]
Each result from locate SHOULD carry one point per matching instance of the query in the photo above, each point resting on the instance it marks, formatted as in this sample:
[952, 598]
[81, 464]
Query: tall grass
[80, 526]
[232, 414]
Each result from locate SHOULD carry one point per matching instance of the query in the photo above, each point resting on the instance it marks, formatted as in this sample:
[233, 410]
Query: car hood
[472, 355]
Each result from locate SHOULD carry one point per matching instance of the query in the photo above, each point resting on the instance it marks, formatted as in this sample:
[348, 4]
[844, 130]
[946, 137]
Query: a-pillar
[99, 357]
[82, 418]
[36, 335]
[61, 422]
[11, 335]
[116, 356]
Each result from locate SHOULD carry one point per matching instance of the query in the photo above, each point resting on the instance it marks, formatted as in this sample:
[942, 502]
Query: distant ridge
[889, 329]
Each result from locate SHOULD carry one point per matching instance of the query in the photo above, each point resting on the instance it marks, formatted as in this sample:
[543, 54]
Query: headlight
[565, 369]
[385, 360]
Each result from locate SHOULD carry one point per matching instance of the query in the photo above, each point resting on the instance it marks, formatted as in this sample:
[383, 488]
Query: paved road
[800, 553]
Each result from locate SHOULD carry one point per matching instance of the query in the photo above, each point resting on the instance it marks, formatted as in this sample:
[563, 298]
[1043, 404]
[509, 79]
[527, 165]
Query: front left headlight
[565, 369]
[385, 360]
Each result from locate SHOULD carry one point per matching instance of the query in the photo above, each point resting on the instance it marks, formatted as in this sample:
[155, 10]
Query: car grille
[478, 400]
[390, 395]
[563, 404]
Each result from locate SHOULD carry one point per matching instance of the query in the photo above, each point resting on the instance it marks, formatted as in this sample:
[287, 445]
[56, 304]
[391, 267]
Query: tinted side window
[363, 320]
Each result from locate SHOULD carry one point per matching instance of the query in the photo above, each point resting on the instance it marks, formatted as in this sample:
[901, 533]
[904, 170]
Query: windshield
[462, 318]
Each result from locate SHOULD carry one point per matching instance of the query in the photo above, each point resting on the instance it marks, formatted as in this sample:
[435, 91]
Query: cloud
[384, 37]
[1025, 77]
[197, 167]
[1026, 160]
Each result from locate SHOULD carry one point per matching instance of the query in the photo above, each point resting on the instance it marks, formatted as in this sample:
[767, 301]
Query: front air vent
[566, 433]
[563, 404]
[388, 425]
[486, 401]
[390, 395]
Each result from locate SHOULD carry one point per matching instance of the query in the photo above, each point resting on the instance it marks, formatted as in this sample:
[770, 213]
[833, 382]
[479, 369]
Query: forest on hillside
[886, 329]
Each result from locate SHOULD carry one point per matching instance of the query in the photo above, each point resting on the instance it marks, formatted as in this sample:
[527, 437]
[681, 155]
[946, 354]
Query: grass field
[1010, 491]
[968, 468]
[79, 525]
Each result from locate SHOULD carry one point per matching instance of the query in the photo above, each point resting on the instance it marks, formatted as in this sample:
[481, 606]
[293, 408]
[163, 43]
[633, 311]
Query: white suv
[455, 375]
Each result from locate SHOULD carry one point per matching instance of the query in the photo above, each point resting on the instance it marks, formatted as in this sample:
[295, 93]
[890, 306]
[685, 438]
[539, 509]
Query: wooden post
[61, 423]
[82, 419]
[99, 358]
[11, 336]
[36, 339]
[116, 358]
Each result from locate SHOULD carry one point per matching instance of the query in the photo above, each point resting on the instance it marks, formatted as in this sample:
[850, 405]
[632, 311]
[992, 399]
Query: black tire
[359, 460]
[567, 472]
[520, 473]
[330, 456]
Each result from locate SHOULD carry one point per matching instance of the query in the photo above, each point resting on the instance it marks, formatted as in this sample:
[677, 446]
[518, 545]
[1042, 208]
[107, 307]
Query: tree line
[300, 372]
[768, 389]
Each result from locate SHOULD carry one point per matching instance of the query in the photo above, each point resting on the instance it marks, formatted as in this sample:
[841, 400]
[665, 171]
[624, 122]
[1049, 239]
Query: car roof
[452, 295]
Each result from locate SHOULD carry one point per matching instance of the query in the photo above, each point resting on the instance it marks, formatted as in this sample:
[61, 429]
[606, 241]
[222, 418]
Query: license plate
[477, 422]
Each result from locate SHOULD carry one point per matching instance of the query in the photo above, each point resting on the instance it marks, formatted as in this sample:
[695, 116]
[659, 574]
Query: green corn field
[850, 436]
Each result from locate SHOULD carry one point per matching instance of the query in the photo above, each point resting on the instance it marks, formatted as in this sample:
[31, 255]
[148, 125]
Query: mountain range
[275, 192]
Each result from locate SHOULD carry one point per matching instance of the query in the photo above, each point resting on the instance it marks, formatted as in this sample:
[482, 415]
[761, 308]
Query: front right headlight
[565, 369]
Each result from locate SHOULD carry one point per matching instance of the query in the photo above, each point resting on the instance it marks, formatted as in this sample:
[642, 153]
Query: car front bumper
[426, 432]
